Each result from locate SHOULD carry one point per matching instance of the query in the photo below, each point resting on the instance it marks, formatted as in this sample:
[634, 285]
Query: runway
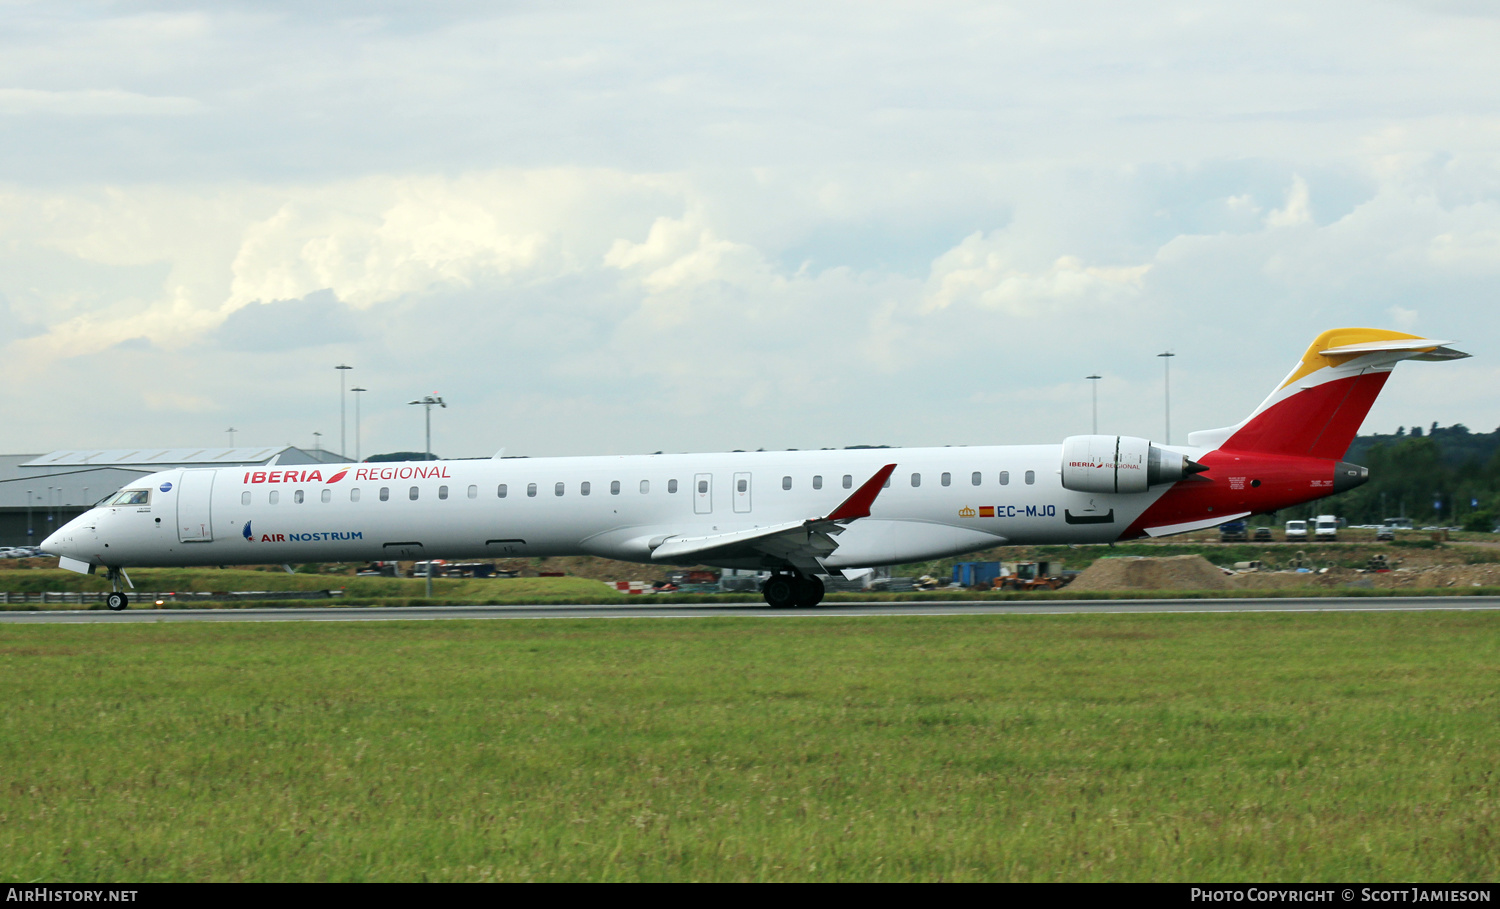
[356, 613]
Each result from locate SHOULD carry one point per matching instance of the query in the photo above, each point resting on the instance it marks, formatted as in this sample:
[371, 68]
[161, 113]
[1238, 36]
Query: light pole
[356, 389]
[29, 532]
[231, 430]
[427, 401]
[342, 369]
[1167, 364]
[1094, 384]
[317, 441]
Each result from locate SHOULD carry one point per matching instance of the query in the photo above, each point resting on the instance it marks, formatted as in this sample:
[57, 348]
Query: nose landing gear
[117, 600]
[786, 589]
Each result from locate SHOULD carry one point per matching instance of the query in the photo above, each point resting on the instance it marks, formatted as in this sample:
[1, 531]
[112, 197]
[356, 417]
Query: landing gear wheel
[780, 591]
[117, 601]
[809, 592]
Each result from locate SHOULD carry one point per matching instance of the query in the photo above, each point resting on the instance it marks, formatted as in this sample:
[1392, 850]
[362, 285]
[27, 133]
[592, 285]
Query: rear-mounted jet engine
[1122, 464]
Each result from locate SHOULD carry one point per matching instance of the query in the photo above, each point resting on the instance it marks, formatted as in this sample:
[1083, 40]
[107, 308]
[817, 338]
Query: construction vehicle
[1032, 576]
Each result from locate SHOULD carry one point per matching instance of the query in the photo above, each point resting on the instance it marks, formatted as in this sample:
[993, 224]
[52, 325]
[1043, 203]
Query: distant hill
[1441, 475]
[402, 456]
[1456, 444]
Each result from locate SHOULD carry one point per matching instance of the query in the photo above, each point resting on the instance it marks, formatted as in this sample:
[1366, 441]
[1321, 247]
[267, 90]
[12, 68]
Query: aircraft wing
[801, 544]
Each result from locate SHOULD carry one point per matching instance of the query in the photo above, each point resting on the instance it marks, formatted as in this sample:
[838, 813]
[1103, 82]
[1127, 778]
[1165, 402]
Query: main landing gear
[786, 589]
[117, 600]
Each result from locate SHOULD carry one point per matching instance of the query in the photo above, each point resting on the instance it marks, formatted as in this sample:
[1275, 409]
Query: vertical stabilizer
[1316, 411]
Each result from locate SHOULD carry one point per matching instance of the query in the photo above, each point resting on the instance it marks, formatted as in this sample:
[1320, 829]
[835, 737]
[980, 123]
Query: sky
[605, 228]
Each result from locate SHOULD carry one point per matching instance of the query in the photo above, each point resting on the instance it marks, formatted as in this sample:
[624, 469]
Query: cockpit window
[132, 497]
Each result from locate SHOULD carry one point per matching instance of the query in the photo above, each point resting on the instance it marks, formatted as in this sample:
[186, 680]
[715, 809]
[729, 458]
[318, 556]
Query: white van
[1326, 528]
[1296, 531]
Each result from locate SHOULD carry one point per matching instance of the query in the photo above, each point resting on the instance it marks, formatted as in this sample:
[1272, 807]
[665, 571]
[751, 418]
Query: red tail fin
[1316, 411]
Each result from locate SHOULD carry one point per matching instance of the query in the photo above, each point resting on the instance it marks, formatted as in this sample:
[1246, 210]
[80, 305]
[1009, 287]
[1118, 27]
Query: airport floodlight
[356, 389]
[427, 401]
[342, 369]
[1094, 384]
[231, 430]
[1167, 385]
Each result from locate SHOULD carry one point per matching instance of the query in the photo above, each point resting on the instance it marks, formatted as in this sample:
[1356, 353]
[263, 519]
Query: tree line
[1445, 475]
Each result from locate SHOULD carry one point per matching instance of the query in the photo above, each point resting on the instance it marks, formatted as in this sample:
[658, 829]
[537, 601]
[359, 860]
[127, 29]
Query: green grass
[1211, 747]
[219, 580]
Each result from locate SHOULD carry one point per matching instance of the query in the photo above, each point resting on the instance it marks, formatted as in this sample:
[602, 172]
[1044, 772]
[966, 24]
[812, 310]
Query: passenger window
[500, 491]
[275, 496]
[531, 490]
[671, 486]
[817, 482]
[297, 497]
[385, 493]
[557, 490]
[1030, 477]
[245, 498]
[473, 492]
[916, 480]
[947, 479]
[1004, 478]
[354, 494]
[584, 488]
[848, 481]
[442, 492]
[702, 487]
[412, 493]
[614, 487]
[327, 495]
[977, 478]
[786, 482]
[645, 486]
[742, 485]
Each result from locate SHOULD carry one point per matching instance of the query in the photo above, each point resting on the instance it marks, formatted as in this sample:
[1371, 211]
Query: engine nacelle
[1120, 464]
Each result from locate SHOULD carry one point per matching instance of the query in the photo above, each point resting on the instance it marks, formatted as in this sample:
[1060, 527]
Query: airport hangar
[40, 493]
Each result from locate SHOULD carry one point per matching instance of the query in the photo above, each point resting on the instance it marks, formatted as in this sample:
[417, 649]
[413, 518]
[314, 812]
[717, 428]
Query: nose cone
[1348, 476]
[67, 540]
[57, 543]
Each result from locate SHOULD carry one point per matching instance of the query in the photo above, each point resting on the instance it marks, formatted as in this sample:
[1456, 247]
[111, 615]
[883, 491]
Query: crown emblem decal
[966, 512]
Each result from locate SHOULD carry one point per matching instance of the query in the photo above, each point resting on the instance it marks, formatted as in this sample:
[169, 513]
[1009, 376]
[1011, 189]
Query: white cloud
[804, 225]
[1298, 209]
[981, 271]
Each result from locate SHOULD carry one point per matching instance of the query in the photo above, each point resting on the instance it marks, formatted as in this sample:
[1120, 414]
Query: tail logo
[246, 532]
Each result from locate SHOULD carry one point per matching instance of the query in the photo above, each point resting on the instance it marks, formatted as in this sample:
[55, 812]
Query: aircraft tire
[780, 591]
[809, 592]
[117, 601]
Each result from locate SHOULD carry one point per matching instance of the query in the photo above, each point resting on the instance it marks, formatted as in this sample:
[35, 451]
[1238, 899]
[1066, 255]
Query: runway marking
[710, 610]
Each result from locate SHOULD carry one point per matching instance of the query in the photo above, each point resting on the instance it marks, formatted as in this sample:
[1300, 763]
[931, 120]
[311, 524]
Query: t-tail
[1290, 449]
[1317, 409]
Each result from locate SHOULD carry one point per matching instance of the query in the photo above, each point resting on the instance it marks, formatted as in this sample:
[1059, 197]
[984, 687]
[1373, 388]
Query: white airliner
[798, 514]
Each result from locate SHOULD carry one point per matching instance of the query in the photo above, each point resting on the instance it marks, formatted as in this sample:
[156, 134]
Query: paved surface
[680, 610]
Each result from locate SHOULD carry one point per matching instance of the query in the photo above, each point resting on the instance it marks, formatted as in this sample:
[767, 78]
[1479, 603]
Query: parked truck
[1326, 528]
[1296, 531]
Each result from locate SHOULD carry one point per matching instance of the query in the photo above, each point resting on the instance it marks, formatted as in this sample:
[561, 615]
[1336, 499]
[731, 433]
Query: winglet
[858, 504]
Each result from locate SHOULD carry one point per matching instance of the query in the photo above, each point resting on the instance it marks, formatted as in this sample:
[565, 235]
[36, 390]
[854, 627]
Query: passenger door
[194, 506]
[741, 493]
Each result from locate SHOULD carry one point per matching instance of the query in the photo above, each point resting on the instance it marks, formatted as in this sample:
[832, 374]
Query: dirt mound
[1187, 572]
